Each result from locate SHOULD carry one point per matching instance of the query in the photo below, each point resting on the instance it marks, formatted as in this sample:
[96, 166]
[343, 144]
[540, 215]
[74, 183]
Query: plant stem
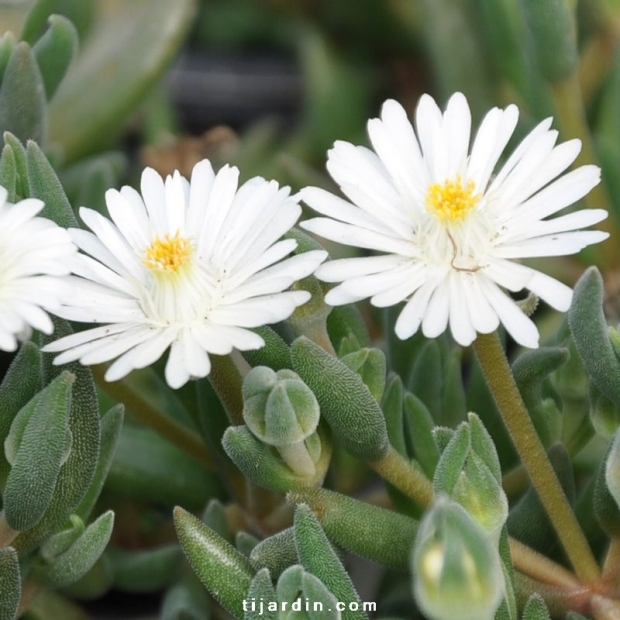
[604, 608]
[7, 533]
[153, 418]
[501, 382]
[541, 568]
[412, 482]
[611, 567]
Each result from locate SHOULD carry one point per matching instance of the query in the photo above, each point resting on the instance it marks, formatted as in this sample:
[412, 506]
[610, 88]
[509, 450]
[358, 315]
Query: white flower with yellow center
[448, 228]
[34, 252]
[190, 266]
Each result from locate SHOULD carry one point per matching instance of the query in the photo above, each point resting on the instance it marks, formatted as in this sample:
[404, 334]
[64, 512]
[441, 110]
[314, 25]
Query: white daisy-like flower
[190, 266]
[34, 252]
[448, 228]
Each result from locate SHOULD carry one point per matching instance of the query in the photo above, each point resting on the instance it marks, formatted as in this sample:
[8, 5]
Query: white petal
[415, 309]
[552, 291]
[517, 324]
[436, 317]
[344, 268]
[460, 321]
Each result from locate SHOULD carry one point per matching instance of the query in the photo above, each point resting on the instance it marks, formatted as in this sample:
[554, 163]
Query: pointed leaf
[317, 557]
[419, 427]
[33, 477]
[275, 553]
[22, 96]
[261, 593]
[535, 609]
[10, 584]
[589, 330]
[220, 567]
[346, 403]
[76, 561]
[54, 52]
[8, 173]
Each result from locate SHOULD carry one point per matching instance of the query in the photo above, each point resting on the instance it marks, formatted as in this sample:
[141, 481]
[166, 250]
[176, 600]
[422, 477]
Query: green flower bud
[456, 568]
[282, 411]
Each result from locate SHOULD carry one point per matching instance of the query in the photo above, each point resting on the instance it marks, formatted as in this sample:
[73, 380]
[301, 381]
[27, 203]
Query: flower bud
[282, 411]
[456, 568]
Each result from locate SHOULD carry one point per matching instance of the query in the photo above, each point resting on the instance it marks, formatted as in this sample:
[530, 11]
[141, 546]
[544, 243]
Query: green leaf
[274, 354]
[225, 572]
[552, 29]
[245, 542]
[275, 553]
[344, 321]
[10, 584]
[452, 461]
[54, 52]
[535, 609]
[36, 19]
[426, 379]
[375, 533]
[606, 485]
[81, 556]
[22, 96]
[8, 173]
[111, 425]
[453, 401]
[19, 154]
[126, 51]
[40, 454]
[392, 406]
[419, 427]
[589, 330]
[94, 584]
[317, 557]
[77, 472]
[44, 184]
[186, 600]
[263, 467]
[215, 518]
[370, 365]
[145, 571]
[145, 466]
[7, 43]
[22, 381]
[346, 403]
[530, 369]
[261, 593]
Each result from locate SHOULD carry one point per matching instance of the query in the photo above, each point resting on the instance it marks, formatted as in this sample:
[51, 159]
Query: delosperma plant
[239, 391]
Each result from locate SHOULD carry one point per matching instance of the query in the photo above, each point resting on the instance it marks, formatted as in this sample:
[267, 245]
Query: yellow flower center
[451, 201]
[168, 254]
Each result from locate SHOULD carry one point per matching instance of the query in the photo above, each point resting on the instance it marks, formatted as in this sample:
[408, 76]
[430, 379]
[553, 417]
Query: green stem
[7, 533]
[541, 568]
[501, 382]
[150, 416]
[412, 482]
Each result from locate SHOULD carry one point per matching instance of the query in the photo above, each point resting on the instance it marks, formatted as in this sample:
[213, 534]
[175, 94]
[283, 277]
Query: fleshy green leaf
[419, 427]
[8, 173]
[346, 403]
[274, 354]
[19, 154]
[225, 572]
[275, 553]
[370, 365]
[392, 406]
[589, 329]
[10, 584]
[22, 96]
[317, 557]
[535, 609]
[40, 454]
[81, 556]
[375, 533]
[111, 425]
[44, 184]
[145, 571]
[261, 593]
[261, 465]
[186, 600]
[54, 52]
[22, 381]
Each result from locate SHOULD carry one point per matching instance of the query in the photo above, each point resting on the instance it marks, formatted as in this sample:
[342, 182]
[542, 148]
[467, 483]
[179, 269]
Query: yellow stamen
[168, 254]
[451, 201]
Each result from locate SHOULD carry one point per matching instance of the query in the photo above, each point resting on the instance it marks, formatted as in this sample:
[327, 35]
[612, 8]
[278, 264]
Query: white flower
[448, 229]
[185, 266]
[34, 251]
